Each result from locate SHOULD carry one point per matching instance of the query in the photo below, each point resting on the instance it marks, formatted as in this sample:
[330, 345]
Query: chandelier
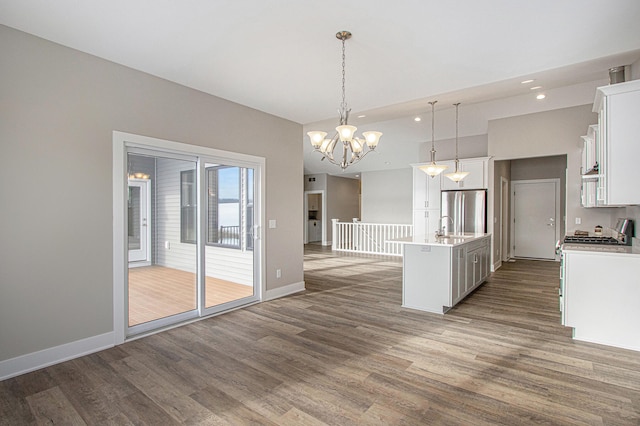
[353, 148]
[457, 175]
[433, 169]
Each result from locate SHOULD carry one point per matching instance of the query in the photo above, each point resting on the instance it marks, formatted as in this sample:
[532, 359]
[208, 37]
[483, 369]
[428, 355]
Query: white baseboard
[284, 291]
[34, 361]
[496, 266]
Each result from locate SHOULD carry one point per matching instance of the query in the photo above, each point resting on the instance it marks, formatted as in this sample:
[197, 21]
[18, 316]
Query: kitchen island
[438, 272]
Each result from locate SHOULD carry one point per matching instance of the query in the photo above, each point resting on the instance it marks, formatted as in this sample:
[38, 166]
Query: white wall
[59, 110]
[387, 196]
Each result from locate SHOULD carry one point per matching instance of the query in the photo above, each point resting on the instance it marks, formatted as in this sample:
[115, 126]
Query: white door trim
[145, 223]
[323, 221]
[122, 142]
[556, 181]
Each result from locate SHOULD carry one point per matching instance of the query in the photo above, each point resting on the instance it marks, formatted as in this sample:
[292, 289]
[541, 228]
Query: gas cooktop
[587, 239]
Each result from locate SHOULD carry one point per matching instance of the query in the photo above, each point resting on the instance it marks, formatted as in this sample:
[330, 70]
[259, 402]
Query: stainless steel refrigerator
[464, 211]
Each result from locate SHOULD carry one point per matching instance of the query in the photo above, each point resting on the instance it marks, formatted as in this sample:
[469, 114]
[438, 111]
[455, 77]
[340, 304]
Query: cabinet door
[446, 183]
[485, 261]
[477, 169]
[475, 178]
[420, 189]
[458, 278]
[426, 190]
[425, 222]
[470, 270]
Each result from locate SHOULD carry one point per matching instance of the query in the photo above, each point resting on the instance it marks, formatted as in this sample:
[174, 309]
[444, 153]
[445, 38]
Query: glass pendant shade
[346, 132]
[372, 138]
[326, 146]
[356, 146]
[433, 169]
[317, 138]
[457, 176]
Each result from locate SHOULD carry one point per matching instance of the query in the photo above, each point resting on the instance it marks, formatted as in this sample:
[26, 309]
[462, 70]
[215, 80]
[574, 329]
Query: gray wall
[343, 200]
[550, 133]
[387, 196]
[58, 110]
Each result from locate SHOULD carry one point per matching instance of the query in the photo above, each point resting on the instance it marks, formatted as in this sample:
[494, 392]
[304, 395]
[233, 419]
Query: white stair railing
[370, 238]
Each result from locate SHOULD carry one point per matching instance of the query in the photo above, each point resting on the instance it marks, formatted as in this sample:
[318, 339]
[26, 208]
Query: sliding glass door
[229, 255]
[201, 256]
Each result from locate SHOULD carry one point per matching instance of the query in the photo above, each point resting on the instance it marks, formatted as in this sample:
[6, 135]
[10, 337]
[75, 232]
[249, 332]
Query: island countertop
[448, 240]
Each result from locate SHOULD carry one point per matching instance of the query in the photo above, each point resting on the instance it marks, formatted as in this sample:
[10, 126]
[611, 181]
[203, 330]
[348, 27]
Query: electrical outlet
[278, 273]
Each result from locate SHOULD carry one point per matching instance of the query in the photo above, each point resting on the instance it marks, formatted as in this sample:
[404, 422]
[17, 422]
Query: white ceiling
[282, 57]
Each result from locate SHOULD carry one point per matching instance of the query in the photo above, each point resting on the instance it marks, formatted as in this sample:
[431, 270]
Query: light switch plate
[272, 223]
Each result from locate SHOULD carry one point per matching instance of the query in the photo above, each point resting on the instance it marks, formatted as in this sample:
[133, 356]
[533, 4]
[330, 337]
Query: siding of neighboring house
[225, 263]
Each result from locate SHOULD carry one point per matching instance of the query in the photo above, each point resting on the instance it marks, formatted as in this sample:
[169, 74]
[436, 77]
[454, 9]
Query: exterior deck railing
[370, 238]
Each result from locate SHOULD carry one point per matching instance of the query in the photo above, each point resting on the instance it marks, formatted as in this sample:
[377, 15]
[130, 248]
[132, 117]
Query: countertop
[604, 249]
[432, 240]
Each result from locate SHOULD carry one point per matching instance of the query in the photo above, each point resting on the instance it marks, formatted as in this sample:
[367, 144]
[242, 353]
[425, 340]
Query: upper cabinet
[478, 177]
[426, 190]
[617, 148]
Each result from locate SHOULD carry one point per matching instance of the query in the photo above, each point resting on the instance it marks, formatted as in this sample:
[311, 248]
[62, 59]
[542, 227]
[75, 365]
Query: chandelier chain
[343, 105]
[433, 120]
[457, 105]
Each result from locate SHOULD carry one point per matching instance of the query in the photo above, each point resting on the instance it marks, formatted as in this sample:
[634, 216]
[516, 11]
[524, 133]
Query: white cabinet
[589, 168]
[617, 147]
[477, 264]
[426, 202]
[436, 276]
[314, 231]
[426, 190]
[478, 177]
[426, 222]
[601, 297]
[314, 201]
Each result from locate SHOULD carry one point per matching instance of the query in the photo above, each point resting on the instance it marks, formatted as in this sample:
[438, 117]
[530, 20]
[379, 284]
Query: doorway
[315, 210]
[198, 212]
[504, 220]
[535, 213]
[139, 222]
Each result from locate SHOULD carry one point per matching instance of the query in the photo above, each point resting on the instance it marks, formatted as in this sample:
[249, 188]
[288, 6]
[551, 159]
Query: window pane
[188, 206]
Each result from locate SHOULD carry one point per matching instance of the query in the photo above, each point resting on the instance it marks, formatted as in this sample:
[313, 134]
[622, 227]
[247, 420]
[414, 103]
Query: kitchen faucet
[441, 229]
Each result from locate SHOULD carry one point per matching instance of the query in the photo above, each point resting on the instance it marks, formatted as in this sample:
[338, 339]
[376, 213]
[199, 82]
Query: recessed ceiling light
[387, 162]
[417, 119]
[527, 81]
[541, 96]
[535, 87]
[362, 116]
[357, 175]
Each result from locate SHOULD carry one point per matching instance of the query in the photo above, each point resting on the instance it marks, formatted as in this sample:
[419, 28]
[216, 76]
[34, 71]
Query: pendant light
[457, 175]
[433, 169]
[353, 148]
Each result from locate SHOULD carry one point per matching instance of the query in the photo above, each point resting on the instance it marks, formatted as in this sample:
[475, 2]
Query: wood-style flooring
[158, 292]
[344, 353]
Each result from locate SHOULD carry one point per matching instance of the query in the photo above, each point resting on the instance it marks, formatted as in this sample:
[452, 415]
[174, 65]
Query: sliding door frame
[122, 144]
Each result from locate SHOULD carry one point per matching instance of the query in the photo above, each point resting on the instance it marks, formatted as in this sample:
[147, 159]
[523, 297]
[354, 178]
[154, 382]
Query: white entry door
[535, 212]
[139, 213]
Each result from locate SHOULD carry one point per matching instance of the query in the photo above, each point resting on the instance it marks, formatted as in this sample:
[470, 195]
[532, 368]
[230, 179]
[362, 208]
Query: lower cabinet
[437, 276]
[458, 275]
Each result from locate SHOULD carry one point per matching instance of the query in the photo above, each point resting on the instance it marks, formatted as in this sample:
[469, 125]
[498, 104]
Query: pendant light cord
[457, 105]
